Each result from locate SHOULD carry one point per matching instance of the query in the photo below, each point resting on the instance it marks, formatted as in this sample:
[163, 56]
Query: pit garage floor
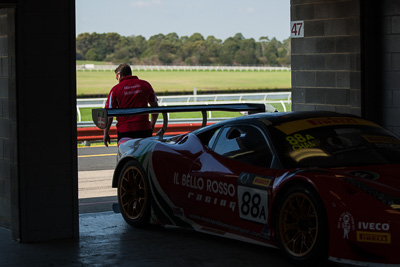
[106, 240]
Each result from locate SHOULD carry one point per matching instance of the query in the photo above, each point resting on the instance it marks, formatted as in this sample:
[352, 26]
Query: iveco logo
[373, 226]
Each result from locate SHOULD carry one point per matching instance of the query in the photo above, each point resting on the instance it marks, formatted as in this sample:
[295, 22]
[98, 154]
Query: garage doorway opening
[108, 34]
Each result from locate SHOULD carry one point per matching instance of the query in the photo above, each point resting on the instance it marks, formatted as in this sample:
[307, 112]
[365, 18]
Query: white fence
[269, 99]
[92, 67]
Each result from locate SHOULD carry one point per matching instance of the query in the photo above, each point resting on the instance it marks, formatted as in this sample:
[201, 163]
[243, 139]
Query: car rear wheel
[301, 226]
[133, 194]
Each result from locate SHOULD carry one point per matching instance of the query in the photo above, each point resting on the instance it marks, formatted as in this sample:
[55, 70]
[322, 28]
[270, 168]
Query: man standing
[131, 92]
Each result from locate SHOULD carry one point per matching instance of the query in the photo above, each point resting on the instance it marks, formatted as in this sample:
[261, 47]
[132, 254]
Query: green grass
[100, 82]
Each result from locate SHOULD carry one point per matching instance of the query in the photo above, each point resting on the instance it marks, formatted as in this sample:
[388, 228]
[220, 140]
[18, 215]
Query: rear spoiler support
[100, 116]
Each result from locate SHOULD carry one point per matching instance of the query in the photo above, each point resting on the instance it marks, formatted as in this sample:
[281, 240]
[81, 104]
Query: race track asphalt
[95, 169]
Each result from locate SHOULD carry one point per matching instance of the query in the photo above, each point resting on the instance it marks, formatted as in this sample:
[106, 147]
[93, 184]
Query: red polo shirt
[131, 92]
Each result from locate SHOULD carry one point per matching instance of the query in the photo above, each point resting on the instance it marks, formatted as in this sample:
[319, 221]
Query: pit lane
[95, 169]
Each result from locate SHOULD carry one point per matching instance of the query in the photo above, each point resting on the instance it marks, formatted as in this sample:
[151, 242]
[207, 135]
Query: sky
[219, 18]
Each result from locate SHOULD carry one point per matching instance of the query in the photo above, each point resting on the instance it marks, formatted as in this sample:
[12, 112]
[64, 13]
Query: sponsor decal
[299, 141]
[381, 139]
[205, 190]
[374, 237]
[346, 222]
[262, 181]
[332, 121]
[212, 186]
[373, 226]
[300, 125]
[254, 180]
[221, 202]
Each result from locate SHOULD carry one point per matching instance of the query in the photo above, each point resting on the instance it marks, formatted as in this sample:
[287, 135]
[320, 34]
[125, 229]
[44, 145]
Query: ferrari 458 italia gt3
[318, 185]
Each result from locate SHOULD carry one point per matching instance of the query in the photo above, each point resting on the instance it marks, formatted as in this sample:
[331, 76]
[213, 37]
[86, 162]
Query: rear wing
[100, 116]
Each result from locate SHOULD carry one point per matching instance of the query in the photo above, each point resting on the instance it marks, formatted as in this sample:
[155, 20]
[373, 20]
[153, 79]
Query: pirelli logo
[262, 182]
[374, 237]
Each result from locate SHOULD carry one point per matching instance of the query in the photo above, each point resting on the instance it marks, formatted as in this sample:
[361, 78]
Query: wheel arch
[118, 169]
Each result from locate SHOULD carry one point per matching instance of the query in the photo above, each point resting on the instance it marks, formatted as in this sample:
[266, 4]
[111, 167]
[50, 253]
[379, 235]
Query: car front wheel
[133, 194]
[301, 226]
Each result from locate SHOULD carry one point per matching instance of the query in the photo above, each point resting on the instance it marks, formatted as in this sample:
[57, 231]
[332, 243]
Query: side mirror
[233, 134]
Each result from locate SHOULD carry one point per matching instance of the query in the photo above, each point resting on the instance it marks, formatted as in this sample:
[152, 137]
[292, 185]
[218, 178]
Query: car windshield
[334, 142]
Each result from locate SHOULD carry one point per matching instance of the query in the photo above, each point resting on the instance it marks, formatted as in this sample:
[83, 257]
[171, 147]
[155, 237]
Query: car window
[213, 138]
[208, 137]
[243, 143]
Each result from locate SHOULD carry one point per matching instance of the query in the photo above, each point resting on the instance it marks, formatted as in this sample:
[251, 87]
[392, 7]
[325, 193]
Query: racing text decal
[299, 141]
[208, 188]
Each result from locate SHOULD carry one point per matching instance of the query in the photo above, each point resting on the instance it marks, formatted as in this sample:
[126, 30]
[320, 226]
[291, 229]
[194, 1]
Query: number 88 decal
[253, 204]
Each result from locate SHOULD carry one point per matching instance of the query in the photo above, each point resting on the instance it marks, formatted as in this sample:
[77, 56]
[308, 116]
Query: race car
[318, 185]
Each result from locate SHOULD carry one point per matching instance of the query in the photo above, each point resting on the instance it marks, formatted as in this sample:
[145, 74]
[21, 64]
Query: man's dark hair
[124, 69]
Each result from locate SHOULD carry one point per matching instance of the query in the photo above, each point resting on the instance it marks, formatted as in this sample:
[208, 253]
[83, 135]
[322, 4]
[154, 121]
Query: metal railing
[269, 99]
[92, 67]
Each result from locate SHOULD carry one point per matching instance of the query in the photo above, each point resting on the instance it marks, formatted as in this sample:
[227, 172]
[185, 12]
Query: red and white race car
[318, 185]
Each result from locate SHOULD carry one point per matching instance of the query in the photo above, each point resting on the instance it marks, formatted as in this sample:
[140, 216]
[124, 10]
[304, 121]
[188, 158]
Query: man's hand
[106, 139]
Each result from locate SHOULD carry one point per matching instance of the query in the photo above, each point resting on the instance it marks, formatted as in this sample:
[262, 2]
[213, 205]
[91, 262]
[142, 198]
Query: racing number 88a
[295, 139]
[251, 204]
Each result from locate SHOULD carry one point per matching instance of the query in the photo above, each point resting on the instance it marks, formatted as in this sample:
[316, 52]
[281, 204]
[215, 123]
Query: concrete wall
[8, 155]
[39, 200]
[326, 64]
[349, 58]
[391, 65]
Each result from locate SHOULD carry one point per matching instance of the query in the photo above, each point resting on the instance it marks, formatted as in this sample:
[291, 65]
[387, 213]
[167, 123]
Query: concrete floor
[106, 240]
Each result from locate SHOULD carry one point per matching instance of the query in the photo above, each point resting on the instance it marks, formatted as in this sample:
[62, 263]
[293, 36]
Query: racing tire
[134, 194]
[301, 226]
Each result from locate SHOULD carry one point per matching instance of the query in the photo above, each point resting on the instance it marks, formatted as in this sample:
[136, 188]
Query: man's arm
[155, 115]
[106, 137]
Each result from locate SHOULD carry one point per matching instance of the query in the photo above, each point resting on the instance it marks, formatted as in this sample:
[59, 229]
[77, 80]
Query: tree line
[171, 49]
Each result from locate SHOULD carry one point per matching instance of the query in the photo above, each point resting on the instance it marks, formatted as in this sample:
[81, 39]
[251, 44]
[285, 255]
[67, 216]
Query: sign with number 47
[297, 29]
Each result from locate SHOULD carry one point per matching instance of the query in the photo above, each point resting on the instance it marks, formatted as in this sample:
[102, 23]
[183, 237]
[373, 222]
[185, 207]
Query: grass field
[100, 82]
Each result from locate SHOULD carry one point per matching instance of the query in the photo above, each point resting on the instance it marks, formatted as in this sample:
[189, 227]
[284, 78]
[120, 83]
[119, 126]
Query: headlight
[390, 200]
